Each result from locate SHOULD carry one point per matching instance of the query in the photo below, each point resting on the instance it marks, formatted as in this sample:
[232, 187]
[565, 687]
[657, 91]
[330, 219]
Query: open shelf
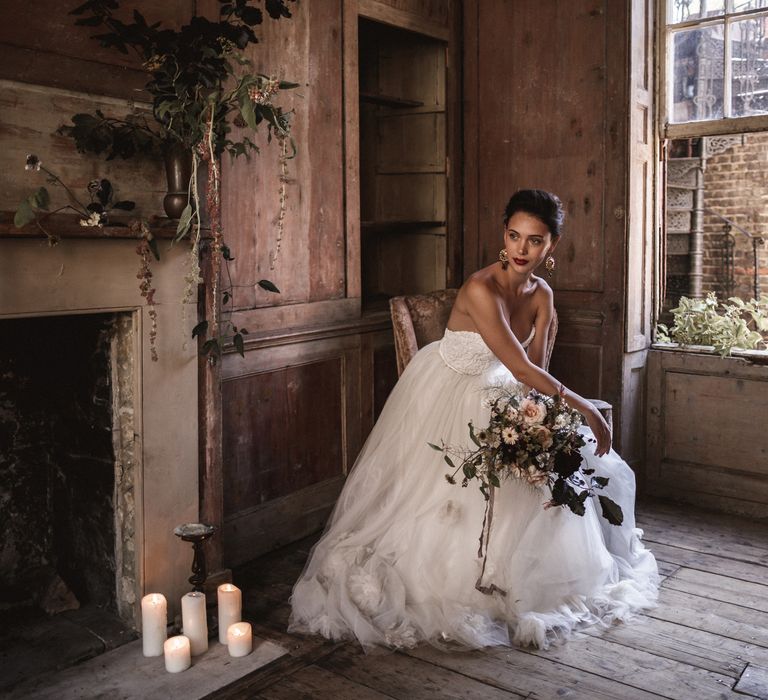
[389, 101]
[403, 173]
[399, 225]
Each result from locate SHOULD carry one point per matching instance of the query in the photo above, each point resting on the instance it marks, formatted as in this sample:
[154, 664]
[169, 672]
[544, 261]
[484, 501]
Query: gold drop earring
[549, 263]
[504, 258]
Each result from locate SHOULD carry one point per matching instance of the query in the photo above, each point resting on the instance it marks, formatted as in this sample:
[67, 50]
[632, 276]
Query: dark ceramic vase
[178, 171]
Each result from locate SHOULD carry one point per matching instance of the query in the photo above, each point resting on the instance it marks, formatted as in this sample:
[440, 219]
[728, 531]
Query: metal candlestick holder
[196, 533]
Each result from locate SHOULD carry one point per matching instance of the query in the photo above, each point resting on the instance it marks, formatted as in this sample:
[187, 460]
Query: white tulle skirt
[398, 561]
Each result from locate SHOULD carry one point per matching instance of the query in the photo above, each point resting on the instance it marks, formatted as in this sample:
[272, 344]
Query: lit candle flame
[156, 599]
[179, 643]
[227, 587]
[238, 632]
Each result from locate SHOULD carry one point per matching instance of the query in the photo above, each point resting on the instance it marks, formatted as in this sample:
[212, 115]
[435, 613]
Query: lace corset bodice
[465, 352]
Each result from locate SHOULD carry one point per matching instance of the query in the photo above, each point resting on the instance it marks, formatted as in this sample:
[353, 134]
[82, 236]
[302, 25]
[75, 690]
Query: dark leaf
[248, 111]
[435, 447]
[200, 329]
[125, 205]
[576, 504]
[152, 242]
[104, 192]
[251, 15]
[600, 481]
[225, 297]
[40, 198]
[269, 286]
[494, 479]
[211, 347]
[562, 493]
[95, 207]
[449, 461]
[611, 511]
[277, 9]
[239, 344]
[24, 214]
[226, 253]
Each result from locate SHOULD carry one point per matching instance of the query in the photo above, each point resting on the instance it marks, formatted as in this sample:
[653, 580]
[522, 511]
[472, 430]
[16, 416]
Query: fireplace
[66, 469]
[125, 473]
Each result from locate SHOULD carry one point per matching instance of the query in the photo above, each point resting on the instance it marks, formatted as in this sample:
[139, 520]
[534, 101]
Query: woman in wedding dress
[398, 562]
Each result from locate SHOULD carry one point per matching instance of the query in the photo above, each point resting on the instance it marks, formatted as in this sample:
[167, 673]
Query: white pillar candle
[194, 623]
[177, 654]
[240, 639]
[230, 608]
[154, 618]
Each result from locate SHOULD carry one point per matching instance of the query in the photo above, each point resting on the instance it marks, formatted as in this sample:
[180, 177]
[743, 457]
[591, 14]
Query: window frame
[709, 127]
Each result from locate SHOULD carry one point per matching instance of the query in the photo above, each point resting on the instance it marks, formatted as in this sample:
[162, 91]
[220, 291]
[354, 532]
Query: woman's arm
[537, 350]
[487, 312]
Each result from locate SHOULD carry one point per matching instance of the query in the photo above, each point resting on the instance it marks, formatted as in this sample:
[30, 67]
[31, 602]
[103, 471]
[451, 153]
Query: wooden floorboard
[708, 637]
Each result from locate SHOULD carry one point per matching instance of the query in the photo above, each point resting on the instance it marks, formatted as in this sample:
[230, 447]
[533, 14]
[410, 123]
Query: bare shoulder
[543, 294]
[480, 287]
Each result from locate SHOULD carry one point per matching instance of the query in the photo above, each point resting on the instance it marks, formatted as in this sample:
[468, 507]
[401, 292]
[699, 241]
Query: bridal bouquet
[534, 438]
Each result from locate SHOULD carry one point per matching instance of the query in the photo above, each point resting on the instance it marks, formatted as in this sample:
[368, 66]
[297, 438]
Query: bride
[398, 561]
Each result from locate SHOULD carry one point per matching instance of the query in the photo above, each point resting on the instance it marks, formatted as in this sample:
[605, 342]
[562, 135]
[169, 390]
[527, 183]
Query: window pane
[742, 5]
[684, 10]
[749, 63]
[716, 201]
[697, 74]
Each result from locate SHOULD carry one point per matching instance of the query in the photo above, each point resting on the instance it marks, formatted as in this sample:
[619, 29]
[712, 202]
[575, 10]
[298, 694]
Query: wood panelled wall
[546, 95]
[706, 431]
[316, 370]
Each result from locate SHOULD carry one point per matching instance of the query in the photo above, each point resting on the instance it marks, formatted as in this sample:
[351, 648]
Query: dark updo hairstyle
[544, 205]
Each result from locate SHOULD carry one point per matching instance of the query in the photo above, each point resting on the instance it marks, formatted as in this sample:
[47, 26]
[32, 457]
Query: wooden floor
[707, 639]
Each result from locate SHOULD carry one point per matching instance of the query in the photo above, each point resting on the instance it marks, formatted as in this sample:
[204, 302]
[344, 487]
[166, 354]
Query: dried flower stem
[283, 198]
[192, 278]
[213, 200]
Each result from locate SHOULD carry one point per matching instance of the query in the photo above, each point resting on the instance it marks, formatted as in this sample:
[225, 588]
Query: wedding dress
[398, 561]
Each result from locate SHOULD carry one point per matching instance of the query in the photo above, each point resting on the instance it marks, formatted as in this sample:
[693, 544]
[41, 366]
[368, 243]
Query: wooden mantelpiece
[68, 226]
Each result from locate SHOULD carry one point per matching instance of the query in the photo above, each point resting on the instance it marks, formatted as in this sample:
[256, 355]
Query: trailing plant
[202, 89]
[727, 325]
[36, 207]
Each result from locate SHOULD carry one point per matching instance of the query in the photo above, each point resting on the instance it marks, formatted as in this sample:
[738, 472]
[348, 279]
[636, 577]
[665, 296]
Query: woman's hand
[600, 430]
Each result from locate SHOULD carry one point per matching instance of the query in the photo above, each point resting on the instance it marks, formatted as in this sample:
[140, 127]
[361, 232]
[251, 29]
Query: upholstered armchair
[419, 319]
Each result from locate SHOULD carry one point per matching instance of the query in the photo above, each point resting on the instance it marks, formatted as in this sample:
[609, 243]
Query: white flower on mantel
[93, 220]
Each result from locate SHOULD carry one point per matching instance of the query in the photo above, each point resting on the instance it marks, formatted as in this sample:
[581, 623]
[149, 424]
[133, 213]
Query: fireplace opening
[66, 484]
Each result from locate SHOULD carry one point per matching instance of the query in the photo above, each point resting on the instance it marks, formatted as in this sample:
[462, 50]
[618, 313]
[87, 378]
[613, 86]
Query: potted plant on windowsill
[735, 327]
[205, 101]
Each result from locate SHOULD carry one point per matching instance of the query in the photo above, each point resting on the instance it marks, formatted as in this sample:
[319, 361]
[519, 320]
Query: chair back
[419, 319]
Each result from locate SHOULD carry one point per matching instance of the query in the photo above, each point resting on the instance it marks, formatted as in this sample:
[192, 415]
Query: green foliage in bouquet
[536, 439]
[727, 325]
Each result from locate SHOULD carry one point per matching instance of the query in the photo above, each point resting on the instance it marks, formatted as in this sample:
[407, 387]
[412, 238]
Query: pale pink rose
[532, 411]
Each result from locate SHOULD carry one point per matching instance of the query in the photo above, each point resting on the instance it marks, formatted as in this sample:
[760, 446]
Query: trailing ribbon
[485, 538]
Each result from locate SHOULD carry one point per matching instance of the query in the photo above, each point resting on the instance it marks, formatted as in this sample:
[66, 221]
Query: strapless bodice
[465, 352]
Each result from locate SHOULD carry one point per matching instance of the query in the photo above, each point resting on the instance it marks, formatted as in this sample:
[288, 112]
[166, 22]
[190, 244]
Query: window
[713, 112]
[716, 66]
